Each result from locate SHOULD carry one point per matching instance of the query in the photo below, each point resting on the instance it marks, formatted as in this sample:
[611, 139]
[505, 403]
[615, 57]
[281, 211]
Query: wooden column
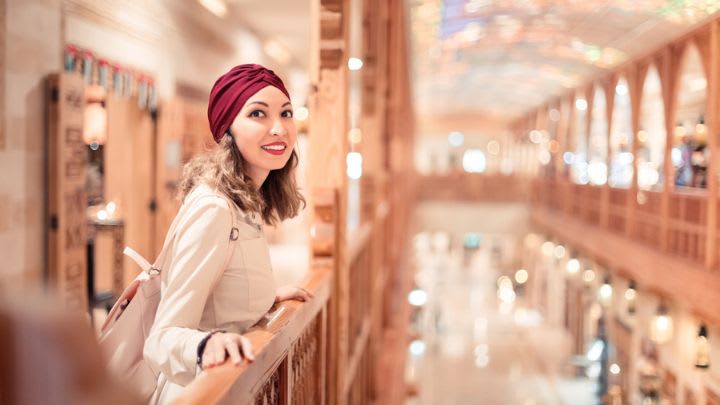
[328, 146]
[571, 147]
[667, 76]
[168, 167]
[67, 199]
[372, 123]
[129, 169]
[711, 117]
[609, 88]
[562, 130]
[635, 84]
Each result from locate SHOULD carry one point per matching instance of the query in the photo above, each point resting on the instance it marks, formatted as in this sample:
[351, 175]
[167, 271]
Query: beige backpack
[123, 335]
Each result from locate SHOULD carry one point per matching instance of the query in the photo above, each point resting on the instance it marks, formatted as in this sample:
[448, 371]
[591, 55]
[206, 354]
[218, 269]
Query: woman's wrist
[203, 343]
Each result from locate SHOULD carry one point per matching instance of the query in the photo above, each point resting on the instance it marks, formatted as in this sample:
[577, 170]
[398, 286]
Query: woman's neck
[258, 177]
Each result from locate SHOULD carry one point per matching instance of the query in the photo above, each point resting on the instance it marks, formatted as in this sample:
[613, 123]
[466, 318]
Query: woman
[218, 281]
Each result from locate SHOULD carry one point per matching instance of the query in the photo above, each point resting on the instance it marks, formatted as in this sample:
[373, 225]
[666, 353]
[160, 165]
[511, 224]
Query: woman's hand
[222, 345]
[291, 292]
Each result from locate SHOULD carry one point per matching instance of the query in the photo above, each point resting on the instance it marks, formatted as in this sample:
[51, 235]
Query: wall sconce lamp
[605, 292]
[573, 265]
[702, 356]
[661, 329]
[95, 117]
[630, 297]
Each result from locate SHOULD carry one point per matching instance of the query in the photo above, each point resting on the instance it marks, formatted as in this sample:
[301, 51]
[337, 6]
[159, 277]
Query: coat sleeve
[196, 262]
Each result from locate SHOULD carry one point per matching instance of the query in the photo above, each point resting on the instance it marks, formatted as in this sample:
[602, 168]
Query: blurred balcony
[461, 186]
[661, 242]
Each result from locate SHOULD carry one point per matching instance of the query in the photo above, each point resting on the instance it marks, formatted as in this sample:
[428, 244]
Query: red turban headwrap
[232, 90]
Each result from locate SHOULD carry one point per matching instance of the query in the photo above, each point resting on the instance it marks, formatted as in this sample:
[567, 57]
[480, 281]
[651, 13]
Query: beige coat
[199, 295]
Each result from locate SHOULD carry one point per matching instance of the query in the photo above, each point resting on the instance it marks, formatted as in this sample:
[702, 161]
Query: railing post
[329, 124]
[712, 121]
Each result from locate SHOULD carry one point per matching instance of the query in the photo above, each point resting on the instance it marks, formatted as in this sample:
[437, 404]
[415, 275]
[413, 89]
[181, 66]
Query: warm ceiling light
[547, 248]
[217, 7]
[354, 165]
[355, 135]
[355, 63]
[535, 136]
[277, 51]
[581, 104]
[554, 115]
[493, 147]
[572, 266]
[302, 113]
[621, 89]
[456, 138]
[417, 297]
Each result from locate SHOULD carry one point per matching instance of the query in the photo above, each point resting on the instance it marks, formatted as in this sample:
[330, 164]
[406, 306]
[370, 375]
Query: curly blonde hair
[223, 168]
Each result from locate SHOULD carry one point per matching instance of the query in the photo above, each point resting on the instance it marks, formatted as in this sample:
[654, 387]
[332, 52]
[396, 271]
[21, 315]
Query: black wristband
[202, 344]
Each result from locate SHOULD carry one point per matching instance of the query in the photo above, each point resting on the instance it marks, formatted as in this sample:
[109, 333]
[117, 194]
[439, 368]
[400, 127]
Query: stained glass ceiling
[504, 57]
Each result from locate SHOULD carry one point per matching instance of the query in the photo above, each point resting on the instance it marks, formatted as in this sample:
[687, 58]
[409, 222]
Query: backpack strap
[170, 236]
[156, 268]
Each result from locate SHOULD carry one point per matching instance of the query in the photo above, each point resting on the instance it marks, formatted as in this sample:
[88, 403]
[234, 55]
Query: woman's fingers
[209, 355]
[304, 294]
[222, 345]
[246, 348]
[215, 350]
[231, 345]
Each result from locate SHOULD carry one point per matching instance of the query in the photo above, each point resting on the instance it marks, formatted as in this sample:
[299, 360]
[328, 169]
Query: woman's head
[251, 103]
[264, 132]
[251, 119]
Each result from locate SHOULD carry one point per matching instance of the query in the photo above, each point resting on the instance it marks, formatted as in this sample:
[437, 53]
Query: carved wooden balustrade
[467, 186]
[684, 232]
[289, 356]
[647, 218]
[617, 210]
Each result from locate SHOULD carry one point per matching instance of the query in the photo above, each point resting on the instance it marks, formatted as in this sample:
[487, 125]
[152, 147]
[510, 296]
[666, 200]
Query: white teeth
[274, 147]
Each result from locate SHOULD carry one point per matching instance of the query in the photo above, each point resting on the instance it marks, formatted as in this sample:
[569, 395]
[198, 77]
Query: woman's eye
[257, 114]
[287, 114]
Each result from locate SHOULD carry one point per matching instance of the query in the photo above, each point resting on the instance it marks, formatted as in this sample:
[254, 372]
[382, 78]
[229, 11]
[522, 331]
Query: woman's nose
[278, 128]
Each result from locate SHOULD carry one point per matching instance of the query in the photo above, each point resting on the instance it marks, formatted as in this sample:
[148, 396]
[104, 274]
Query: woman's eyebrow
[266, 104]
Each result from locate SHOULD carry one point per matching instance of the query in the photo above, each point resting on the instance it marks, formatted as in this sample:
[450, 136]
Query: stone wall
[31, 49]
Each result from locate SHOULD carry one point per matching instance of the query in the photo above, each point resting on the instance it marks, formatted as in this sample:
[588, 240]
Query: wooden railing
[617, 209]
[685, 219]
[473, 186]
[289, 356]
[686, 230]
[648, 218]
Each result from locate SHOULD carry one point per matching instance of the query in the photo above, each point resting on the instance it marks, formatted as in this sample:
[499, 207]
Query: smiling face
[265, 133]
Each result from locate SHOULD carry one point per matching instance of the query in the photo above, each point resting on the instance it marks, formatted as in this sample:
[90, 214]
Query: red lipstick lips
[275, 148]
